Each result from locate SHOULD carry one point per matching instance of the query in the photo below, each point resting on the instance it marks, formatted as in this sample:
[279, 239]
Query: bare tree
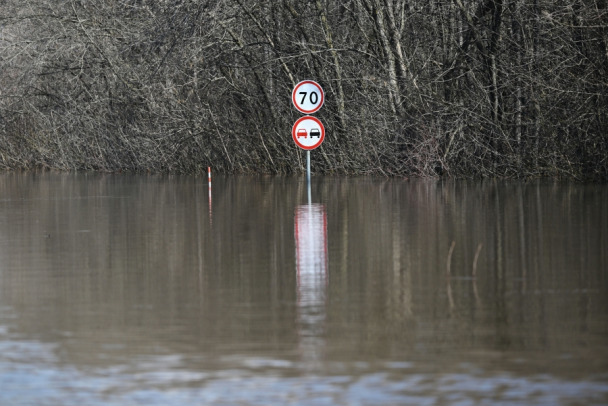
[415, 88]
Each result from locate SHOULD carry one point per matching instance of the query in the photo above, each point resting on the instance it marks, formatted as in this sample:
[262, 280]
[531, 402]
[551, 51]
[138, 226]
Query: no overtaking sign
[308, 131]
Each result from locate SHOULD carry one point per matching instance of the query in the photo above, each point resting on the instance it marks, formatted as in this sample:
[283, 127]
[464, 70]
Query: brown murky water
[127, 290]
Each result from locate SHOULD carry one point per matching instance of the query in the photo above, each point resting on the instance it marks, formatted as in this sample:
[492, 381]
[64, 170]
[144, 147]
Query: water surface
[120, 289]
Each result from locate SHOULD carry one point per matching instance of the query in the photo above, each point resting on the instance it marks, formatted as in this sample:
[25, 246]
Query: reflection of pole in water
[311, 267]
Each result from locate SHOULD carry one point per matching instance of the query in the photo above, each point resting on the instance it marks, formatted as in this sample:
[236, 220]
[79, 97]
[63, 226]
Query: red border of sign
[293, 132]
[295, 91]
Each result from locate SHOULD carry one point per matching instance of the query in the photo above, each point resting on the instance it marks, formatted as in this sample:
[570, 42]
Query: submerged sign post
[308, 131]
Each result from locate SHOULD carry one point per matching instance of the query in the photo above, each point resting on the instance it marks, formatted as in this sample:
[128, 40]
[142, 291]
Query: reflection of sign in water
[311, 248]
[311, 266]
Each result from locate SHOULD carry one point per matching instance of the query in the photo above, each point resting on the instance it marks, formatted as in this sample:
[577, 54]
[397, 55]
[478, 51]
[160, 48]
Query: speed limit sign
[307, 96]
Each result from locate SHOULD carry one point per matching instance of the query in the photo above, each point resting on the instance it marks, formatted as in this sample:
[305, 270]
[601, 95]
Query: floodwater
[129, 290]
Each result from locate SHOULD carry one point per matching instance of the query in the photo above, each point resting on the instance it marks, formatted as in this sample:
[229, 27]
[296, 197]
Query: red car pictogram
[302, 133]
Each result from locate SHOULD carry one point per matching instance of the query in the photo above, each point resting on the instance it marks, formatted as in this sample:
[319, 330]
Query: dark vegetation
[507, 88]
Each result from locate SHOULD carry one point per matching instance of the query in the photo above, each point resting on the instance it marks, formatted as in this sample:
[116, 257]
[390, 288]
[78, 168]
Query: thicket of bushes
[413, 87]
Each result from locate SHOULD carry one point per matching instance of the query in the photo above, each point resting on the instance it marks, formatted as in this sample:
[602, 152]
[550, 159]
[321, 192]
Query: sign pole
[308, 174]
[308, 132]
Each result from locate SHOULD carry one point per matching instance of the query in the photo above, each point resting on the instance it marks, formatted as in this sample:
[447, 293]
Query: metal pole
[209, 183]
[308, 175]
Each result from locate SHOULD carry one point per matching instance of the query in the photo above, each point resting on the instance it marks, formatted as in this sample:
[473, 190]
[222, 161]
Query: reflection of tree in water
[132, 262]
[523, 257]
[133, 267]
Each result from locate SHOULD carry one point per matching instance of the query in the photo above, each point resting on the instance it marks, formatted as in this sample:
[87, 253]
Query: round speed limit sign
[307, 96]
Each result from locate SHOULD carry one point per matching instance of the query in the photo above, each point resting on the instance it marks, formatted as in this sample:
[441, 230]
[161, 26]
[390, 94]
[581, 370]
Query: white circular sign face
[307, 96]
[308, 132]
